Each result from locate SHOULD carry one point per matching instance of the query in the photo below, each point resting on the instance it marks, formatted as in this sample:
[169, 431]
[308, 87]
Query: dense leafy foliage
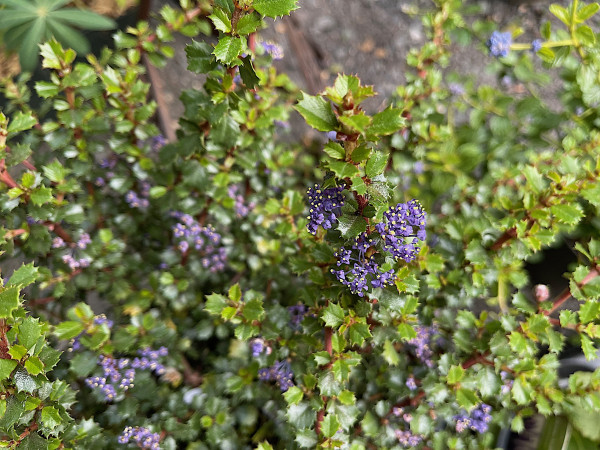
[233, 290]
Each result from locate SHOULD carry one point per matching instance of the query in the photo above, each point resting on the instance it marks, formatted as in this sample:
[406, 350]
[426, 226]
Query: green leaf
[34, 366]
[406, 331]
[342, 169]
[587, 11]
[466, 398]
[6, 368]
[199, 57]
[583, 419]
[84, 19]
[332, 315]
[535, 180]
[588, 347]
[41, 195]
[253, 310]
[9, 301]
[358, 332]
[23, 276]
[570, 214]
[21, 122]
[24, 382]
[561, 13]
[248, 73]
[387, 122]
[589, 311]
[50, 417]
[220, 20]
[585, 35]
[245, 331]
[317, 112]
[229, 49]
[390, 354]
[275, 8]
[351, 226]
[328, 385]
[293, 395]
[29, 332]
[347, 398]
[14, 409]
[215, 304]
[248, 24]
[455, 374]
[68, 329]
[356, 122]
[521, 393]
[376, 164]
[334, 150]
[17, 352]
[330, 425]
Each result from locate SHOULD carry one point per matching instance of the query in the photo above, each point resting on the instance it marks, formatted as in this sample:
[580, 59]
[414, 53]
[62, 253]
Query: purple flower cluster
[280, 372]
[499, 43]
[507, 383]
[273, 49]
[478, 420]
[258, 346]
[297, 313]
[407, 439]
[143, 437]
[411, 383]
[75, 263]
[325, 206]
[422, 343]
[403, 221]
[84, 240]
[364, 269]
[157, 142]
[204, 239]
[119, 373]
[70, 259]
[135, 201]
[240, 207]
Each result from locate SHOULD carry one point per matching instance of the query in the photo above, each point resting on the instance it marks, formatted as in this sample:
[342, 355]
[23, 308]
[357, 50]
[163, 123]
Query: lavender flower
[364, 269]
[403, 221]
[205, 239]
[407, 439]
[102, 319]
[456, 89]
[478, 420]
[280, 372]
[100, 182]
[240, 207]
[325, 206]
[258, 347]
[422, 343]
[499, 43]
[143, 437]
[411, 384]
[297, 313]
[58, 242]
[273, 49]
[536, 45]
[135, 201]
[84, 240]
[158, 142]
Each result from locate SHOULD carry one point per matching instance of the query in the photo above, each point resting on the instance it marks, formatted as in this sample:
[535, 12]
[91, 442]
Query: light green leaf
[332, 315]
[9, 301]
[21, 122]
[220, 20]
[29, 332]
[229, 49]
[275, 8]
[68, 329]
[6, 368]
[387, 122]
[330, 425]
[293, 395]
[570, 214]
[317, 112]
[376, 164]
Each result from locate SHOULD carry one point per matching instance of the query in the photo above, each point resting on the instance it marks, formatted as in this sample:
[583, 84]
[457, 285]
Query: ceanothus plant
[230, 289]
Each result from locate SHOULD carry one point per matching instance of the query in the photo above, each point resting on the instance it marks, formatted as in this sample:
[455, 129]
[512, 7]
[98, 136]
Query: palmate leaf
[11, 18]
[69, 37]
[29, 51]
[19, 4]
[83, 19]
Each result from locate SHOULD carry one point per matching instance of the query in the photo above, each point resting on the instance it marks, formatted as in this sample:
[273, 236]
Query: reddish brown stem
[505, 237]
[566, 294]
[4, 327]
[328, 344]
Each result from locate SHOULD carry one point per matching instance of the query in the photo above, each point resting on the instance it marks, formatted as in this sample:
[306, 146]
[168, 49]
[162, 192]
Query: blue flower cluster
[325, 206]
[403, 221]
[407, 439]
[204, 239]
[297, 313]
[478, 420]
[119, 373]
[240, 207]
[499, 43]
[280, 372]
[70, 259]
[273, 49]
[422, 343]
[364, 269]
[258, 346]
[536, 45]
[143, 437]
